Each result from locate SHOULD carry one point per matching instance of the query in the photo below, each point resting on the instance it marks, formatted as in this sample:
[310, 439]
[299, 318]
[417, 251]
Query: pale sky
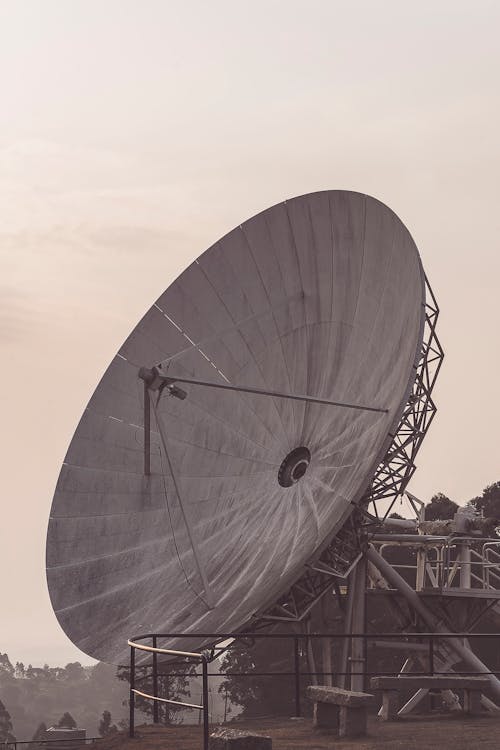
[135, 133]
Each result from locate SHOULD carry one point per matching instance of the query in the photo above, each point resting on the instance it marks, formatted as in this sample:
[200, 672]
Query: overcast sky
[133, 134]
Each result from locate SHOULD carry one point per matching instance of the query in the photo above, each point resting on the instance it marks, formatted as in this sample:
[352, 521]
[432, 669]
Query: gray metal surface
[322, 295]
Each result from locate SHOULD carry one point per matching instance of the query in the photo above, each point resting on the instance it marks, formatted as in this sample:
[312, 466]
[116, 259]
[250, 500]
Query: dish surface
[322, 295]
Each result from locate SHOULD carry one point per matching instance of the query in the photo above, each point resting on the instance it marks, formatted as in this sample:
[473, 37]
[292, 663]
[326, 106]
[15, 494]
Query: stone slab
[437, 682]
[337, 696]
[238, 739]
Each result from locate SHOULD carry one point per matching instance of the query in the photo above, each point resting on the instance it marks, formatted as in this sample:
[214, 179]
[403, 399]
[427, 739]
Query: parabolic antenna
[185, 507]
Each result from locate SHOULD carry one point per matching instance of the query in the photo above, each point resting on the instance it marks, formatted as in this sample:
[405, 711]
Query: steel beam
[358, 625]
[431, 620]
[158, 377]
[210, 601]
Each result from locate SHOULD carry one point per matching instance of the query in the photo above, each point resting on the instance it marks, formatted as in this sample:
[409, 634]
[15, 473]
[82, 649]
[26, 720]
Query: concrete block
[352, 721]
[326, 716]
[472, 702]
[390, 705]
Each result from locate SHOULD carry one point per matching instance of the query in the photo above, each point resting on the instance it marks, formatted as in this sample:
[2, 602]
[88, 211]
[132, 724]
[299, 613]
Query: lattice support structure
[398, 465]
[341, 554]
[388, 484]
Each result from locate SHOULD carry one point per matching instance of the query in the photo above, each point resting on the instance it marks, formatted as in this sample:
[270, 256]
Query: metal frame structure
[457, 576]
[398, 465]
[389, 482]
[349, 552]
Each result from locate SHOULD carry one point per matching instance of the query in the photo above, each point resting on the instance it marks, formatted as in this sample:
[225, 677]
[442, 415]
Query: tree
[105, 726]
[74, 672]
[489, 501]
[246, 692]
[173, 683]
[67, 721]
[258, 695]
[5, 725]
[40, 732]
[36, 694]
[5, 666]
[440, 508]
[40, 735]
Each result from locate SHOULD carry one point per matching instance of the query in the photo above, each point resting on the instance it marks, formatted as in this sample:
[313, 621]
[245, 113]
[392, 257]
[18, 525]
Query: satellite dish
[239, 424]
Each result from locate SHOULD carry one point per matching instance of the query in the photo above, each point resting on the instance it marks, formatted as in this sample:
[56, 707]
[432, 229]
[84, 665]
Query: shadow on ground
[443, 732]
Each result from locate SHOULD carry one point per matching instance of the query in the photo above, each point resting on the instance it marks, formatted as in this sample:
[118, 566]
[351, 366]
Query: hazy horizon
[133, 135]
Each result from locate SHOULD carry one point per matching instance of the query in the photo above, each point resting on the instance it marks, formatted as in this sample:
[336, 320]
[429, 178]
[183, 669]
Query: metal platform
[461, 593]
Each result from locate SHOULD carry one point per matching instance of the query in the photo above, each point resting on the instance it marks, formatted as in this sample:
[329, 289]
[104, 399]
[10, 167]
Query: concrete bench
[340, 710]
[238, 739]
[391, 687]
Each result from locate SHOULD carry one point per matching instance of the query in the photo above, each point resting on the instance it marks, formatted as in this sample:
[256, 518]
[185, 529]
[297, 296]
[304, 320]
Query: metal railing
[491, 552]
[432, 642]
[442, 564]
[154, 650]
[482, 568]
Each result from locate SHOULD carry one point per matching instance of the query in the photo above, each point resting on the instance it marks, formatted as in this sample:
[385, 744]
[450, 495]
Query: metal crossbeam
[157, 378]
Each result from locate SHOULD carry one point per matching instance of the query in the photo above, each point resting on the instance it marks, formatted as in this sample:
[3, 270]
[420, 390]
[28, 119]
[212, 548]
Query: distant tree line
[34, 698]
[488, 503]
[175, 681]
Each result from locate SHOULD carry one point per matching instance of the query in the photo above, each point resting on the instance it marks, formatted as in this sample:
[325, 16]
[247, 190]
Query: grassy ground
[440, 732]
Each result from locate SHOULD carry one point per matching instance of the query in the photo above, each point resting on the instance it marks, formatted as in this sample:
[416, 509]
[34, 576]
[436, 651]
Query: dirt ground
[440, 732]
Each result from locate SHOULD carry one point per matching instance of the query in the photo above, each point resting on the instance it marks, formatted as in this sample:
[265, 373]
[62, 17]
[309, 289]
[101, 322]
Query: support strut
[432, 622]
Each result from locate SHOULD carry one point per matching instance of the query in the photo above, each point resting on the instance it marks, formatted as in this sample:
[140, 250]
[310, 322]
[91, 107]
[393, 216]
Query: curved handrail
[171, 651]
[155, 650]
[165, 700]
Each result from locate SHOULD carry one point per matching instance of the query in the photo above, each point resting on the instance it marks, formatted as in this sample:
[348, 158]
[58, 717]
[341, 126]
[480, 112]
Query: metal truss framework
[398, 465]
[389, 482]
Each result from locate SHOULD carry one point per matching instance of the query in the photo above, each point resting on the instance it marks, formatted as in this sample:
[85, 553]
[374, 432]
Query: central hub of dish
[294, 466]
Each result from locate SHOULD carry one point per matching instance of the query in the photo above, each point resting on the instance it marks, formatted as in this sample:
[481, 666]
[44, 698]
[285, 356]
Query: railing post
[431, 655]
[155, 682]
[147, 431]
[132, 694]
[205, 701]
[365, 656]
[297, 676]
